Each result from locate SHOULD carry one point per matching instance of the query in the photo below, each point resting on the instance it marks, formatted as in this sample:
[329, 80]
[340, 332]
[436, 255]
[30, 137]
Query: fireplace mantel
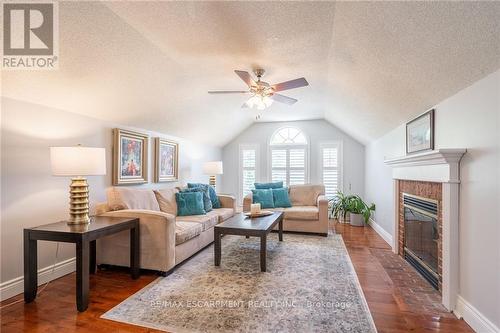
[440, 165]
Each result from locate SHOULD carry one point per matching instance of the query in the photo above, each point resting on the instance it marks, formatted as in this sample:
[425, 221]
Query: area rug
[310, 286]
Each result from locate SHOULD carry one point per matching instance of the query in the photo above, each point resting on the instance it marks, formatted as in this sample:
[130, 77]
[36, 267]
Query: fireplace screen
[421, 236]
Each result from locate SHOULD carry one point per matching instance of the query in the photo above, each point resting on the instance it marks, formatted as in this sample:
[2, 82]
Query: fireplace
[421, 236]
[431, 175]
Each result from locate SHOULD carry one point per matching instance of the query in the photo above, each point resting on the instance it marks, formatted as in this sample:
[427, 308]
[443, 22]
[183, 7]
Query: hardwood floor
[394, 306]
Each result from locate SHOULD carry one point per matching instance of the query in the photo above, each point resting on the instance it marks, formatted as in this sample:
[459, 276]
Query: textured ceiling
[371, 65]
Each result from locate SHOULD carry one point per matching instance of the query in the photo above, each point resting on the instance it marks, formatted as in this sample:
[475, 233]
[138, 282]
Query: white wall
[469, 119]
[31, 196]
[317, 131]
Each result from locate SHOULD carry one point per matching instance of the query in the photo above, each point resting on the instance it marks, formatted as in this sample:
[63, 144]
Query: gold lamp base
[211, 181]
[79, 201]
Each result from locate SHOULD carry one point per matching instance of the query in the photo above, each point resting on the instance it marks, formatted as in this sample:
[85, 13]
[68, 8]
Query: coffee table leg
[263, 250]
[217, 247]
[281, 229]
[135, 256]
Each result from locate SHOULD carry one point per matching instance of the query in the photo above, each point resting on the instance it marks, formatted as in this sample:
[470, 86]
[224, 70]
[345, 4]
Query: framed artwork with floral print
[130, 157]
[166, 160]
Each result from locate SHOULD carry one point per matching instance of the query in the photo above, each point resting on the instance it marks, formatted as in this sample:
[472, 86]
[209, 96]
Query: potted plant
[359, 211]
[340, 207]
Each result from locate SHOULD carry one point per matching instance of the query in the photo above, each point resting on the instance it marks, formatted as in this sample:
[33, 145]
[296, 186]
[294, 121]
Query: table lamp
[212, 169]
[77, 162]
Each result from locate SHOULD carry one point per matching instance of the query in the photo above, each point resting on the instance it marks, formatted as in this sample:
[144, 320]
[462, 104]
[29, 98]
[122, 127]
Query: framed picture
[420, 133]
[130, 157]
[166, 160]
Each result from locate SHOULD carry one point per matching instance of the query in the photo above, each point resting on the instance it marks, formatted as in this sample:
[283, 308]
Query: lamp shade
[212, 168]
[78, 161]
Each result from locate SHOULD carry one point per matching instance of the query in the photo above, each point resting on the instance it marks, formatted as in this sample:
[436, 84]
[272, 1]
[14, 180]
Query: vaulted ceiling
[371, 65]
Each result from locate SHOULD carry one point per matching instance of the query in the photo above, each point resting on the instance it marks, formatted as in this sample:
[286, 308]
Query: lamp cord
[46, 284]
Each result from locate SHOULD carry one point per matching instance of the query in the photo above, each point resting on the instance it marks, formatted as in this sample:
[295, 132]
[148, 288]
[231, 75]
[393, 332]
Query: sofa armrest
[322, 203]
[101, 208]
[227, 201]
[247, 202]
[157, 238]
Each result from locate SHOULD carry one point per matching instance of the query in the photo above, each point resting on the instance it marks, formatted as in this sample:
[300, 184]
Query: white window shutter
[330, 168]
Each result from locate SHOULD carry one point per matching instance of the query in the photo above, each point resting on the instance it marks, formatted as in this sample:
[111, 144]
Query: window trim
[340, 157]
[247, 146]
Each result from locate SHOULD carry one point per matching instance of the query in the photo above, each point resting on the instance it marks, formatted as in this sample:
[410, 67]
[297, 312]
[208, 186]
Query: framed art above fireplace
[420, 133]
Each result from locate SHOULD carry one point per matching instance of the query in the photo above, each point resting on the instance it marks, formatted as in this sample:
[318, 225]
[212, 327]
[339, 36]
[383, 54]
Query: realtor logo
[30, 36]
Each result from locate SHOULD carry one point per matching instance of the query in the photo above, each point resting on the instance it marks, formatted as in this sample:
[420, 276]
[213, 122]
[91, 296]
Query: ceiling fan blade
[297, 83]
[284, 99]
[245, 76]
[229, 92]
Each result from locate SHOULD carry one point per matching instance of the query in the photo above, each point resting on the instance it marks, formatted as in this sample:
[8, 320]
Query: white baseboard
[381, 231]
[15, 286]
[473, 317]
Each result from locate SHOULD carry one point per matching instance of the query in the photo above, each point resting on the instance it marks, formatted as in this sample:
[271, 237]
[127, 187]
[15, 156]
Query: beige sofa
[309, 211]
[166, 239]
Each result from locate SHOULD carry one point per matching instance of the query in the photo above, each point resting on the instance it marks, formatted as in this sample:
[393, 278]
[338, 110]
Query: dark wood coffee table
[249, 227]
[84, 236]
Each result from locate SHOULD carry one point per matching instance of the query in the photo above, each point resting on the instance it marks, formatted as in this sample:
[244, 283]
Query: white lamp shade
[78, 161]
[212, 168]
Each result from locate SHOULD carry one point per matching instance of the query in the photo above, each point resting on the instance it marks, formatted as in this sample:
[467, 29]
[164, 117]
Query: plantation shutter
[297, 174]
[278, 165]
[248, 172]
[330, 168]
[288, 165]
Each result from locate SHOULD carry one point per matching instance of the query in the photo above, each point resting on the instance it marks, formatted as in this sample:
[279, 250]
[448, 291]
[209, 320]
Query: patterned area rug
[310, 286]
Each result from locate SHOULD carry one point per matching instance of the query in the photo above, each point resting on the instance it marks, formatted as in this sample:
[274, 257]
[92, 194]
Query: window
[248, 169]
[288, 152]
[330, 167]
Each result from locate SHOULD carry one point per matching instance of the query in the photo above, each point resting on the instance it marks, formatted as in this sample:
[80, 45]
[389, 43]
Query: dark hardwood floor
[394, 305]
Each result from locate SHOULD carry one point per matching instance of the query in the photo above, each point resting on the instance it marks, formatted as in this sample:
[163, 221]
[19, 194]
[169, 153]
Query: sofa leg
[165, 274]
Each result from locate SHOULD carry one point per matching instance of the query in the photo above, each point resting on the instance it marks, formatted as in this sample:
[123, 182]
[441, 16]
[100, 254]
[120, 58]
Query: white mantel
[441, 166]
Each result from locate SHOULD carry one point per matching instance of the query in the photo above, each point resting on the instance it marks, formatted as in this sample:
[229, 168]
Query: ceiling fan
[263, 94]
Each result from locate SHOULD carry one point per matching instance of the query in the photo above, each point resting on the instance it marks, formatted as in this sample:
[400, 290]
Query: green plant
[356, 205]
[339, 205]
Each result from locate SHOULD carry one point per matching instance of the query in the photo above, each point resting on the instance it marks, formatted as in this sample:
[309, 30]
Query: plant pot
[357, 220]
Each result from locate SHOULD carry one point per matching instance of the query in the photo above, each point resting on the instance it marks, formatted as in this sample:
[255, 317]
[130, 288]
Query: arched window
[289, 153]
[288, 136]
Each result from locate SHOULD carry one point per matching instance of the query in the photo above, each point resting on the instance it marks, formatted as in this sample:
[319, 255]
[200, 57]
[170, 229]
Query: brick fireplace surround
[436, 175]
[430, 190]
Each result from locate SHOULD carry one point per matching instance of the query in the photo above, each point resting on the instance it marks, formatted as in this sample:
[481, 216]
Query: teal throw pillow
[189, 203]
[207, 203]
[211, 192]
[264, 197]
[259, 186]
[280, 197]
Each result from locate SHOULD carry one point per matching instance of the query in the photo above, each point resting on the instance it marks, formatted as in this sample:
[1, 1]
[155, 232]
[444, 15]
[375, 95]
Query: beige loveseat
[166, 239]
[309, 211]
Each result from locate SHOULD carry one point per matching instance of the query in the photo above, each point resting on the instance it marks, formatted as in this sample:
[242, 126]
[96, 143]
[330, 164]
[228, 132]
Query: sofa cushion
[280, 197]
[223, 213]
[207, 221]
[302, 213]
[207, 203]
[185, 231]
[263, 186]
[211, 191]
[264, 197]
[131, 198]
[189, 203]
[166, 200]
[305, 195]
